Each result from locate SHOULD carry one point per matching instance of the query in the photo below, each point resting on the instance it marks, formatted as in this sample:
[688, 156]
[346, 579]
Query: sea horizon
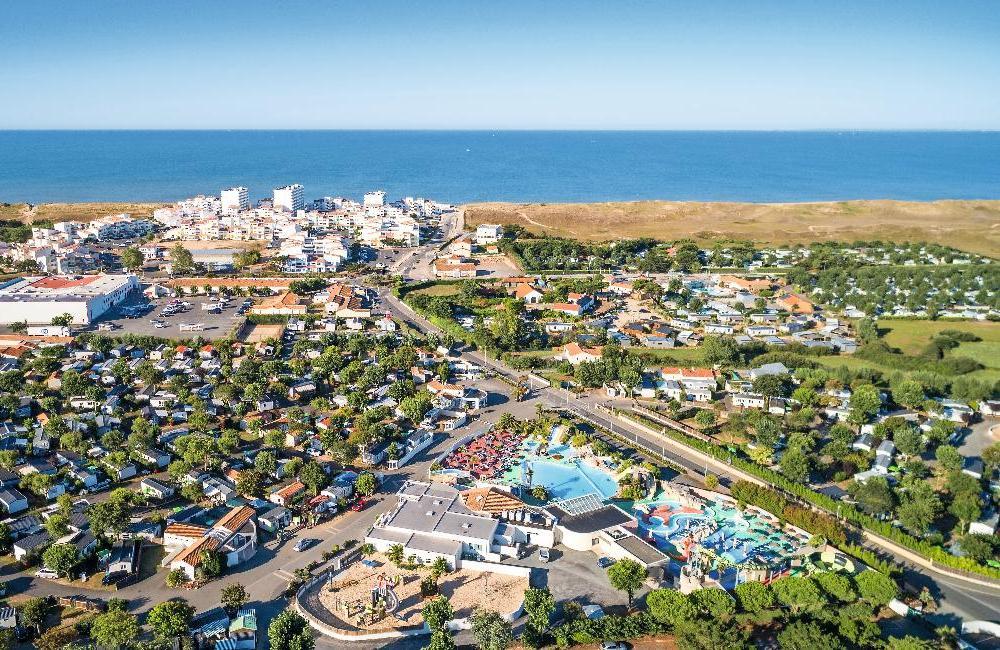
[504, 165]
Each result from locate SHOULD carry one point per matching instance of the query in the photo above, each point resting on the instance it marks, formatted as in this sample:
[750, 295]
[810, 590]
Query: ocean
[520, 166]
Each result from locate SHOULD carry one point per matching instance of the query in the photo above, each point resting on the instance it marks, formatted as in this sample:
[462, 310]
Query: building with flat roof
[289, 198]
[235, 198]
[84, 297]
[433, 520]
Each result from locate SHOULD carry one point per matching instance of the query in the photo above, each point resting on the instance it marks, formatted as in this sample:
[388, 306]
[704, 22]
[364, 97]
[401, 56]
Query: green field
[911, 336]
[438, 290]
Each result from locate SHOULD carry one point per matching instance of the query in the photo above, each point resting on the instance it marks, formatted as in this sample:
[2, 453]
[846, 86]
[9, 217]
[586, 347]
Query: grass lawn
[911, 336]
[439, 290]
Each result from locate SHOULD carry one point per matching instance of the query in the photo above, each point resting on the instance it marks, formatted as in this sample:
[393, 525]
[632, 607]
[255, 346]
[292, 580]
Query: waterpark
[710, 539]
[707, 532]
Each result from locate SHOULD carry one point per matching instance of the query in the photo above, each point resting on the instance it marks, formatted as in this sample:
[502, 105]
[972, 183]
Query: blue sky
[533, 65]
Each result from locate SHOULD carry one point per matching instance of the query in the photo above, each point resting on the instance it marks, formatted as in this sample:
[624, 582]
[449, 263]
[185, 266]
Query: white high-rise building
[289, 198]
[375, 199]
[235, 198]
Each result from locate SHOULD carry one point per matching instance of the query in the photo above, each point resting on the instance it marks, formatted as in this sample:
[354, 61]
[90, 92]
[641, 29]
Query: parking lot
[215, 325]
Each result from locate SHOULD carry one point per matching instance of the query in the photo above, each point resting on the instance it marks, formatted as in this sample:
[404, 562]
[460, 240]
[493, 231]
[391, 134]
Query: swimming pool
[565, 480]
[561, 472]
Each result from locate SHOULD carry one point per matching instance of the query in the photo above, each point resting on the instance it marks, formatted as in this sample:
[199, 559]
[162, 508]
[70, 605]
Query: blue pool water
[565, 481]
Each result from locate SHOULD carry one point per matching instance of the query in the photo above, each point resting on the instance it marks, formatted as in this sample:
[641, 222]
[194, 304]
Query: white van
[543, 554]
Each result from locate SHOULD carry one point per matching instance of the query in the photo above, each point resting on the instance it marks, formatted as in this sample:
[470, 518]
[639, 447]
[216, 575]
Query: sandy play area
[464, 589]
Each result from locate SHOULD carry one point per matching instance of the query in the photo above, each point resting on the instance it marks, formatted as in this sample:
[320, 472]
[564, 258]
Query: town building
[85, 298]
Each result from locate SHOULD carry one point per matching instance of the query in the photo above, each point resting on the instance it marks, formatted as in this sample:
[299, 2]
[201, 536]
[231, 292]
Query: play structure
[382, 602]
[714, 539]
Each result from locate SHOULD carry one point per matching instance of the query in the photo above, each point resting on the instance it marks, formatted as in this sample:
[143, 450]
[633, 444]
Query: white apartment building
[289, 198]
[236, 199]
[488, 233]
[375, 199]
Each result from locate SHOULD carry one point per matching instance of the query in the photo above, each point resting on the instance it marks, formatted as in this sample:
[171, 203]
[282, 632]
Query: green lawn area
[911, 336]
[439, 290]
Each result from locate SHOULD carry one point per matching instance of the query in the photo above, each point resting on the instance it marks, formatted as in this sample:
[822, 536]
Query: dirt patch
[256, 333]
[464, 589]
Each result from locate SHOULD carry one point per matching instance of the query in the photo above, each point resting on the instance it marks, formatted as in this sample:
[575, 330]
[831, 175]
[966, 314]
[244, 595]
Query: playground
[681, 523]
[377, 595]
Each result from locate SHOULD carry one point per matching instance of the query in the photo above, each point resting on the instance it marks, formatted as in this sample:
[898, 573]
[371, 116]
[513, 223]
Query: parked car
[543, 554]
[615, 645]
[359, 505]
[48, 574]
[303, 544]
[604, 562]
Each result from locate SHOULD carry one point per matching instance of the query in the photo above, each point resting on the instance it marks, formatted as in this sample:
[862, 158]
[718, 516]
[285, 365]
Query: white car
[48, 574]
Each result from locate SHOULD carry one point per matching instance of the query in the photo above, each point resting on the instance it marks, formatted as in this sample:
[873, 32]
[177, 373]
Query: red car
[359, 505]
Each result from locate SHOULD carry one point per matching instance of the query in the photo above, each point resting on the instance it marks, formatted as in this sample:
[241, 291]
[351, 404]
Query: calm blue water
[460, 166]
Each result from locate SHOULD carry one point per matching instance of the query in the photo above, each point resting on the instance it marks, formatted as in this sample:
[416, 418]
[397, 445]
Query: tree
[797, 593]
[61, 558]
[56, 638]
[395, 554]
[171, 618]
[289, 631]
[437, 612]
[193, 492]
[836, 586]
[627, 575]
[720, 350]
[875, 587]
[538, 607]
[313, 476]
[714, 602]
[807, 635]
[752, 597]
[908, 440]
[795, 464]
[710, 634]
[181, 259]
[33, 612]
[991, 458]
[865, 402]
[212, 563]
[132, 258]
[977, 547]
[57, 525]
[540, 493]
[491, 630]
[234, 596]
[948, 458]
[115, 629]
[176, 578]
[672, 607]
[366, 484]
[911, 643]
[441, 640]
[909, 393]
[705, 418]
[109, 518]
[62, 320]
[919, 507]
[873, 495]
[250, 483]
[266, 463]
